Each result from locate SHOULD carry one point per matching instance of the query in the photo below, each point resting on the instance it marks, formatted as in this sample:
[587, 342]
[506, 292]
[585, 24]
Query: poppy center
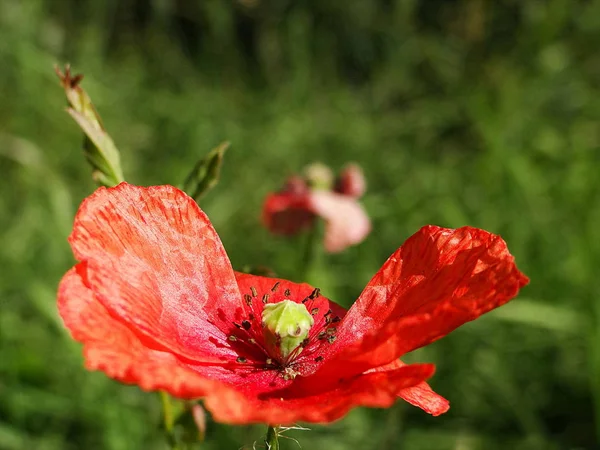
[280, 329]
[286, 325]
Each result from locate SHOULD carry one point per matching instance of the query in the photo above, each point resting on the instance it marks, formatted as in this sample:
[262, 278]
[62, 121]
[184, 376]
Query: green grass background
[460, 112]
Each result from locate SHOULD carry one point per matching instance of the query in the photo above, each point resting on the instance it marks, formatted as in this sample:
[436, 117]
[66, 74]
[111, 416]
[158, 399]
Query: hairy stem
[272, 439]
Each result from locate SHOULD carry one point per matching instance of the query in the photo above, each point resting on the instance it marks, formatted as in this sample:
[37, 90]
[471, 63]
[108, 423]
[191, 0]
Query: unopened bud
[98, 146]
[319, 176]
[351, 181]
[205, 174]
[199, 416]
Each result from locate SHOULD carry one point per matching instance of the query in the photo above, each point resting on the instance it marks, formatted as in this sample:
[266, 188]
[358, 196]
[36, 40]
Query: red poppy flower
[155, 302]
[296, 206]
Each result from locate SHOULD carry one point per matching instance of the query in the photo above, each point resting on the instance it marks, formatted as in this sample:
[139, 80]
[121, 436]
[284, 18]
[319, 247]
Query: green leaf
[205, 174]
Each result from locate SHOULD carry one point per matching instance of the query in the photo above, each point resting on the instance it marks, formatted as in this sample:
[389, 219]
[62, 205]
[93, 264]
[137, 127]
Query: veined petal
[347, 222]
[112, 347]
[376, 389]
[439, 279]
[155, 262]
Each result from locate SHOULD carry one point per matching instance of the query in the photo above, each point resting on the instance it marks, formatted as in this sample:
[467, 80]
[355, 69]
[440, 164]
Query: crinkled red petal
[110, 346]
[438, 280]
[347, 222]
[155, 262]
[376, 389]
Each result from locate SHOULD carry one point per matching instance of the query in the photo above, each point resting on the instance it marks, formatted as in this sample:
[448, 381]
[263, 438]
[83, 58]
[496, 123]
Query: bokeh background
[460, 112]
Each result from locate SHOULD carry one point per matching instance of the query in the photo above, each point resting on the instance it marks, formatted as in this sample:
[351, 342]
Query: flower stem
[169, 421]
[168, 417]
[595, 370]
[310, 250]
[272, 439]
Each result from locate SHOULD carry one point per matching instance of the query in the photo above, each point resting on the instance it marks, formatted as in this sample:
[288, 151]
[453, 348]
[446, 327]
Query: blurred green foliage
[460, 112]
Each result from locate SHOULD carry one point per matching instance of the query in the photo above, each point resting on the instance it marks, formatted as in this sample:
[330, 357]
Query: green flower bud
[286, 324]
[319, 176]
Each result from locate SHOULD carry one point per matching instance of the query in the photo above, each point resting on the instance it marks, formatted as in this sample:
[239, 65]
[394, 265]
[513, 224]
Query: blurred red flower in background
[302, 200]
[156, 302]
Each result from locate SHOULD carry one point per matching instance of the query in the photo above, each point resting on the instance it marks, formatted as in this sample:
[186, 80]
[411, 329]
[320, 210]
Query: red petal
[438, 280]
[425, 398]
[112, 347]
[298, 291]
[347, 221]
[421, 395]
[287, 213]
[375, 389]
[155, 261]
[293, 210]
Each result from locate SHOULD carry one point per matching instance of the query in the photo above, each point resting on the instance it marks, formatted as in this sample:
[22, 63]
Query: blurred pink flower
[296, 206]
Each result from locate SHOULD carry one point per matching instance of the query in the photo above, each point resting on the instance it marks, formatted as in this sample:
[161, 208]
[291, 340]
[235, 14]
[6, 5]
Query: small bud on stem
[99, 148]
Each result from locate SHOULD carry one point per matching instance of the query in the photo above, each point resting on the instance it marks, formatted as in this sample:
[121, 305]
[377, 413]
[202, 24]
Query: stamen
[241, 360]
[275, 286]
[331, 339]
[331, 331]
[289, 373]
[253, 289]
[319, 359]
[246, 325]
[315, 293]
[287, 292]
[314, 311]
[232, 338]
[248, 299]
[265, 298]
[336, 319]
